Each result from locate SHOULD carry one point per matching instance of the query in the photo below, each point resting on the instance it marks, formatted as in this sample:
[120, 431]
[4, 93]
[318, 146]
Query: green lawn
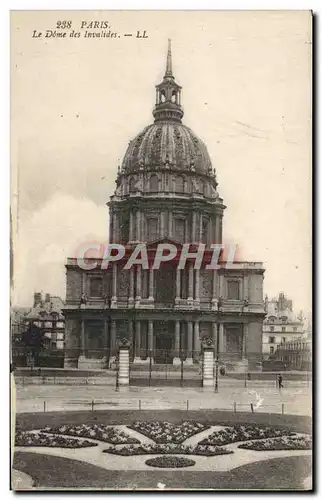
[29, 421]
[55, 472]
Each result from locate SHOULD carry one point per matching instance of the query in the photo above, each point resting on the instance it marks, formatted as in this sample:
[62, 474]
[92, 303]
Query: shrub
[170, 462]
[27, 438]
[94, 431]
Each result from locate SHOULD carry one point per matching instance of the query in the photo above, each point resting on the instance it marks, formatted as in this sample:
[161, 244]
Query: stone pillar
[131, 227]
[82, 338]
[178, 287]
[162, 224]
[138, 285]
[214, 300]
[176, 359]
[115, 229]
[137, 348]
[114, 285]
[151, 284]
[214, 334]
[131, 340]
[245, 335]
[131, 294]
[208, 367]
[190, 334]
[221, 338]
[170, 224]
[113, 339]
[197, 287]
[138, 225]
[217, 231]
[150, 339]
[72, 342]
[190, 284]
[124, 367]
[221, 284]
[196, 340]
[246, 293]
[104, 354]
[194, 220]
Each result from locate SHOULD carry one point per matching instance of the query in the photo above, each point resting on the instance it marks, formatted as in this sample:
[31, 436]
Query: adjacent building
[281, 325]
[46, 313]
[166, 191]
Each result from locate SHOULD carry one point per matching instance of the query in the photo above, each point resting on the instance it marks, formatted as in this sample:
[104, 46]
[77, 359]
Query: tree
[33, 339]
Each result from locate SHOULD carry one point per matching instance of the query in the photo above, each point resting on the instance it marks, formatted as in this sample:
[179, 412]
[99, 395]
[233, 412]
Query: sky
[76, 103]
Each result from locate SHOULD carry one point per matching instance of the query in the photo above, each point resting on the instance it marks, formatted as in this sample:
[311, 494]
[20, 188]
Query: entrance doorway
[163, 342]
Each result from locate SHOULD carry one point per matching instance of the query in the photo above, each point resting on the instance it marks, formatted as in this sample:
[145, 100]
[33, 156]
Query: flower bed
[169, 449]
[94, 431]
[165, 432]
[280, 443]
[243, 433]
[173, 462]
[27, 438]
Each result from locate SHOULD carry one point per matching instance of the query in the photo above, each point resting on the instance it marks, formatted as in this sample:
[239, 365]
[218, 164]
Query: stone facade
[166, 191]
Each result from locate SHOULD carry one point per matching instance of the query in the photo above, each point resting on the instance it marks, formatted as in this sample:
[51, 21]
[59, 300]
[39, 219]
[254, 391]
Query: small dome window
[154, 183]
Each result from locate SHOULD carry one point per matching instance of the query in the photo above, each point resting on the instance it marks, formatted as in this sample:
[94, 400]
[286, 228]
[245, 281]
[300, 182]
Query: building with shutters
[166, 191]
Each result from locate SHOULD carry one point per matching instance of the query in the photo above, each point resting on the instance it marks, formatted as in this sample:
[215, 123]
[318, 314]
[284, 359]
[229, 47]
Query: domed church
[166, 192]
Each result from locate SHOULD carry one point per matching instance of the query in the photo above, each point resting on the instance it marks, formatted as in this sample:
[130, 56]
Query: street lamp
[219, 309]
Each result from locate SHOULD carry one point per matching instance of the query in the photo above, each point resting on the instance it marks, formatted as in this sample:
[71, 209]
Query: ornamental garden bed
[280, 443]
[165, 432]
[170, 462]
[243, 433]
[27, 438]
[168, 449]
[100, 432]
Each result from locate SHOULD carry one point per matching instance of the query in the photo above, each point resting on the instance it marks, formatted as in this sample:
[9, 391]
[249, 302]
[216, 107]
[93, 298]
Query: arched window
[179, 184]
[174, 97]
[162, 96]
[152, 229]
[132, 184]
[154, 183]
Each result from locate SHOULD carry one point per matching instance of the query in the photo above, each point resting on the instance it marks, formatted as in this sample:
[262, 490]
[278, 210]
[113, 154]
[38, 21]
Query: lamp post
[217, 343]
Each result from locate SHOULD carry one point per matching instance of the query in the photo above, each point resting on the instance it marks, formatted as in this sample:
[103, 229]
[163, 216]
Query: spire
[168, 71]
[168, 95]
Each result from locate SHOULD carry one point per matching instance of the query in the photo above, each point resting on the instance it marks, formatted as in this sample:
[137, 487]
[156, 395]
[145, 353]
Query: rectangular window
[271, 328]
[283, 328]
[271, 350]
[233, 290]
[96, 287]
[283, 340]
[294, 328]
[271, 340]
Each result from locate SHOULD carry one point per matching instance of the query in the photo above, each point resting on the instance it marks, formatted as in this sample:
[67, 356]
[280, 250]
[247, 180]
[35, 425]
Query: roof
[44, 310]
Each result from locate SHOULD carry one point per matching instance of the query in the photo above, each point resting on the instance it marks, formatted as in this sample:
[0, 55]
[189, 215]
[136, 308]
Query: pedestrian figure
[280, 381]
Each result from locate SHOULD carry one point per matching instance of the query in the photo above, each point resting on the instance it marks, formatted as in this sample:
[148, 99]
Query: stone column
[190, 284]
[151, 284]
[197, 287]
[221, 338]
[245, 338]
[214, 300]
[170, 224]
[137, 348]
[217, 231]
[82, 338]
[208, 367]
[194, 220]
[131, 227]
[104, 354]
[150, 339]
[138, 223]
[130, 323]
[190, 334]
[162, 224]
[113, 339]
[176, 359]
[196, 340]
[124, 367]
[115, 229]
[138, 285]
[114, 285]
[221, 284]
[72, 342]
[178, 287]
[214, 334]
[131, 294]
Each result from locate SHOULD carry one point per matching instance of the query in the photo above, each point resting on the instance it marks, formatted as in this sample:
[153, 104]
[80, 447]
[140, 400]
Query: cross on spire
[168, 71]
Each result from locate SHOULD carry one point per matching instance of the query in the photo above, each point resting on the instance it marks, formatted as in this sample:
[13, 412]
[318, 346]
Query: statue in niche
[118, 190]
[213, 191]
[195, 184]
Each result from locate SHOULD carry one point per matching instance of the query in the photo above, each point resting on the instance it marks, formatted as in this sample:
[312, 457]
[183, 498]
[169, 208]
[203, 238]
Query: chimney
[47, 297]
[37, 298]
